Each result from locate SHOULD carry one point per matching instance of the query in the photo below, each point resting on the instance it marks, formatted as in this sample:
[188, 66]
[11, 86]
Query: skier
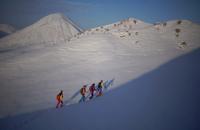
[83, 92]
[100, 87]
[92, 89]
[59, 98]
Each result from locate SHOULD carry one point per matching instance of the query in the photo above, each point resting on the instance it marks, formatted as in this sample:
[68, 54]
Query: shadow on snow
[165, 98]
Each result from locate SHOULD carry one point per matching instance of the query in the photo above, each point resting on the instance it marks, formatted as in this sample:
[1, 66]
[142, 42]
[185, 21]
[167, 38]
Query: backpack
[58, 97]
[81, 91]
[92, 88]
[100, 85]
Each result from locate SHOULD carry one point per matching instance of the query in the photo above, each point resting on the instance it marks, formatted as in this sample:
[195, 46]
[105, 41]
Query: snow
[165, 98]
[150, 89]
[52, 29]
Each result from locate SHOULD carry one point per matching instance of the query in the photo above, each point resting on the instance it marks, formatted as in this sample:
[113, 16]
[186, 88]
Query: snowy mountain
[52, 29]
[6, 29]
[127, 24]
[149, 64]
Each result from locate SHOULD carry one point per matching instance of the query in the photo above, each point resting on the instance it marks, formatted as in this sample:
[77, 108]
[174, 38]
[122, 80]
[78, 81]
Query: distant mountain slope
[6, 29]
[183, 34]
[51, 29]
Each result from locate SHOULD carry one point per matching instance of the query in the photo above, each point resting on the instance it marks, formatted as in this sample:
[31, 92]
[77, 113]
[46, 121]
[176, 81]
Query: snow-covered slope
[180, 31]
[33, 76]
[165, 98]
[52, 29]
[127, 24]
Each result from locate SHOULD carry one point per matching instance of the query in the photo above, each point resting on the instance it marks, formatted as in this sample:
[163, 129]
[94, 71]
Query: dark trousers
[59, 102]
[82, 99]
[92, 94]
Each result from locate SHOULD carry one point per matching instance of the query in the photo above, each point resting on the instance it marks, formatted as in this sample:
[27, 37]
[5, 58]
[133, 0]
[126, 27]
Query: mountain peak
[57, 18]
[51, 29]
[53, 17]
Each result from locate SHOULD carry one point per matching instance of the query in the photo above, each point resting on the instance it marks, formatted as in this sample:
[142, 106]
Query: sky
[91, 13]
